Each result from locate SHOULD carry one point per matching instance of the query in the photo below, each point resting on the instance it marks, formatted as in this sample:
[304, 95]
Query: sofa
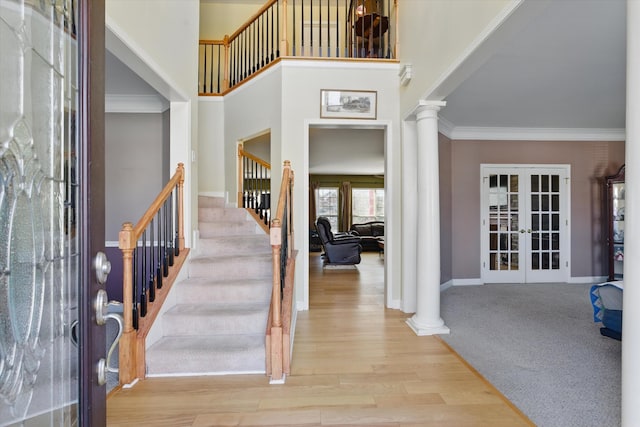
[370, 233]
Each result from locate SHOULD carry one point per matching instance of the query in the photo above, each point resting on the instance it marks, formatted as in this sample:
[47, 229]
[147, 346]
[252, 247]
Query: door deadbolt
[102, 266]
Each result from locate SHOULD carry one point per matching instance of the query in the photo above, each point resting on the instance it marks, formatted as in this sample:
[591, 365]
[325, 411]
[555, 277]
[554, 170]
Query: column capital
[426, 109]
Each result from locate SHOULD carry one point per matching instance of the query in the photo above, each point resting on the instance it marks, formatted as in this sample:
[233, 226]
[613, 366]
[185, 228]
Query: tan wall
[220, 19]
[590, 161]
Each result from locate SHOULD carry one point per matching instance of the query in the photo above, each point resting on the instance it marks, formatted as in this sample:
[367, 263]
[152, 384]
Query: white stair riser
[234, 245]
[179, 324]
[230, 268]
[222, 214]
[227, 291]
[210, 202]
[213, 229]
[204, 355]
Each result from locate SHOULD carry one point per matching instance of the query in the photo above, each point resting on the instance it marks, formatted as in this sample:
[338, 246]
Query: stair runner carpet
[218, 323]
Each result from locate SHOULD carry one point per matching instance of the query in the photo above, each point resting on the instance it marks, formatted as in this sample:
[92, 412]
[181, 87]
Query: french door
[51, 211]
[525, 224]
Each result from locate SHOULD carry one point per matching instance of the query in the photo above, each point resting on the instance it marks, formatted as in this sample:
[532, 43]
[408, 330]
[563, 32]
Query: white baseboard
[446, 285]
[394, 304]
[588, 279]
[467, 282]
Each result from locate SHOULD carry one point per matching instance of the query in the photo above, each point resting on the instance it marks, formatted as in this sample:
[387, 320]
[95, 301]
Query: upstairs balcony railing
[329, 29]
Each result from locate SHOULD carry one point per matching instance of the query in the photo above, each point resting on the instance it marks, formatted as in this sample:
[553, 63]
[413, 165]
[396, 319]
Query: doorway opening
[347, 186]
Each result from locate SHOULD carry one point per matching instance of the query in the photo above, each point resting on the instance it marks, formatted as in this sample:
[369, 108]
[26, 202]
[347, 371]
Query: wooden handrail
[132, 343]
[252, 19]
[256, 159]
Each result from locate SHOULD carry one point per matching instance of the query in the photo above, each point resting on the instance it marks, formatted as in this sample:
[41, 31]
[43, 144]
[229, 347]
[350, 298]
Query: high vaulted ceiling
[553, 64]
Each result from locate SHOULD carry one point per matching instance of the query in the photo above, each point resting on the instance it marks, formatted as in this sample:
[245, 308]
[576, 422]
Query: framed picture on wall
[348, 104]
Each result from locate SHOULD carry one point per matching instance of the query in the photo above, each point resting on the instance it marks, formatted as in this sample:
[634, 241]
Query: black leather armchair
[342, 250]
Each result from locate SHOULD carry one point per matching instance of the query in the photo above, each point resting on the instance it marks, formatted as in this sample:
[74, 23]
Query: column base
[422, 329]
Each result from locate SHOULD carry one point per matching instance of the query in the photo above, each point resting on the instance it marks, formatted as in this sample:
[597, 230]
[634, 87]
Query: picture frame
[348, 104]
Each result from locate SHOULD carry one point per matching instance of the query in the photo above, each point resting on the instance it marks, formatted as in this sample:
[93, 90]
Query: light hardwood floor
[354, 363]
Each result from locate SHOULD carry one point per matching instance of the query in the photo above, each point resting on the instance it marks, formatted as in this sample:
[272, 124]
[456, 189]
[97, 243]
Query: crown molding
[135, 104]
[484, 133]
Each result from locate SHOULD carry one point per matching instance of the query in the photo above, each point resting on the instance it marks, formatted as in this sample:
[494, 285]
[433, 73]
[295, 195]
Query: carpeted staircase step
[215, 319]
[202, 355]
[232, 267]
[222, 214]
[235, 245]
[210, 202]
[195, 290]
[228, 228]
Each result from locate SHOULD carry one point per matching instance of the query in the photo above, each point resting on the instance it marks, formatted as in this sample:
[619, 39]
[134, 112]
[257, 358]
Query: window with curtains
[327, 205]
[367, 205]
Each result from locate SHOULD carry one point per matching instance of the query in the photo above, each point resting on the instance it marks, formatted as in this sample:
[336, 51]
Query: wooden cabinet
[615, 218]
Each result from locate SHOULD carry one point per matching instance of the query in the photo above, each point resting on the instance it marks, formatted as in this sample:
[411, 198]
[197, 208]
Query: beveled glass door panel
[502, 226]
[38, 245]
[547, 223]
[524, 224]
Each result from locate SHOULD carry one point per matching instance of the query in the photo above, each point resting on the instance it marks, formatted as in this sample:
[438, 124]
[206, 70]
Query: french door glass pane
[503, 222]
[545, 222]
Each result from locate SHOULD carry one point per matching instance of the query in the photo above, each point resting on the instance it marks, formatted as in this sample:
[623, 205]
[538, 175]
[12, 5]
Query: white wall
[302, 82]
[158, 40]
[250, 110]
[211, 173]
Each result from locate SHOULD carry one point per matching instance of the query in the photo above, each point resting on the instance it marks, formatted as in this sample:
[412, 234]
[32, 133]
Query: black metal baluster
[256, 52]
[167, 244]
[319, 28]
[278, 29]
[262, 39]
[272, 46]
[204, 71]
[337, 29]
[158, 261]
[294, 27]
[152, 263]
[302, 26]
[176, 245]
[311, 30]
[134, 289]
[143, 290]
[171, 234]
[364, 49]
[380, 39]
[389, 31]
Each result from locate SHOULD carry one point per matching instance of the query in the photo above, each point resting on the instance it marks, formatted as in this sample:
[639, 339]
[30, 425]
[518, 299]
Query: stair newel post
[275, 234]
[240, 176]
[225, 81]
[181, 207]
[127, 346]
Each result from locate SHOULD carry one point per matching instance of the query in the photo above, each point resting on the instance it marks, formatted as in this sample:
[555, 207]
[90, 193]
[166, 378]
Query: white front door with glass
[525, 224]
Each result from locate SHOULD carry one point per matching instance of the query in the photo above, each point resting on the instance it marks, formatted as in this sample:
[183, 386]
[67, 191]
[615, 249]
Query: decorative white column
[631, 300]
[427, 320]
[409, 214]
